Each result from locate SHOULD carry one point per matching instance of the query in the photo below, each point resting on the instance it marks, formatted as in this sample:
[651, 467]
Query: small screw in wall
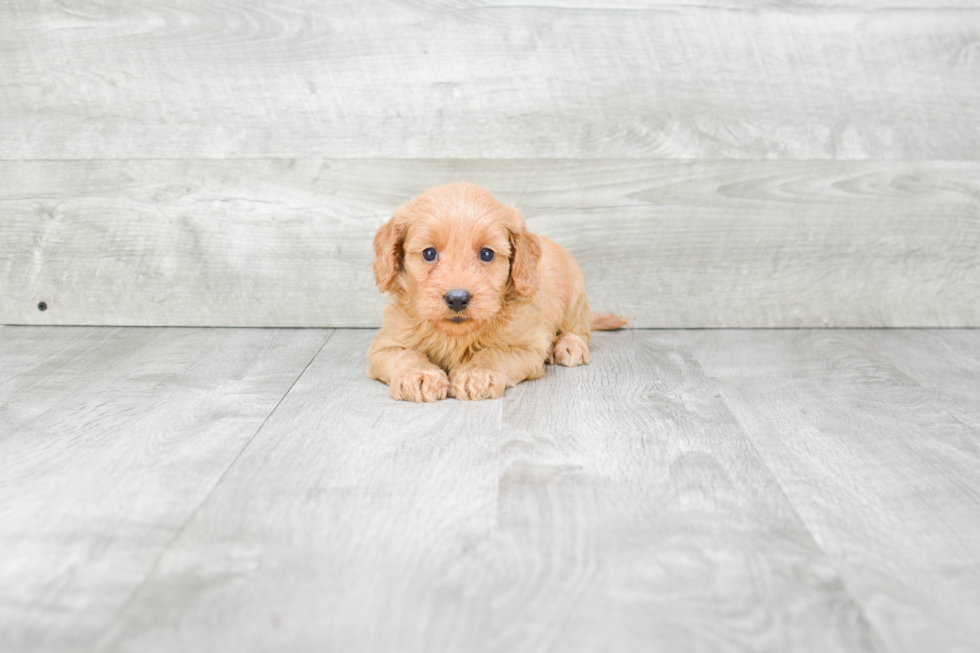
[43, 306]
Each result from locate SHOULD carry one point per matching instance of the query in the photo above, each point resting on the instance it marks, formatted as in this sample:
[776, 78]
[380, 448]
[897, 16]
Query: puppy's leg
[491, 371]
[572, 346]
[410, 374]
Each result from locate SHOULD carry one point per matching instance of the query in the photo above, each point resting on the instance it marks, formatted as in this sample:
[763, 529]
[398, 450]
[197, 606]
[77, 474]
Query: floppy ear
[525, 250]
[388, 251]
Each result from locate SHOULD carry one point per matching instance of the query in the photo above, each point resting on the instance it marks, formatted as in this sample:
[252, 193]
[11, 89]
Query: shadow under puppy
[480, 303]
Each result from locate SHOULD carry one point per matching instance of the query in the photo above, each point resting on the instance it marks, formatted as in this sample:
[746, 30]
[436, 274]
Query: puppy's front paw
[569, 350]
[420, 385]
[476, 383]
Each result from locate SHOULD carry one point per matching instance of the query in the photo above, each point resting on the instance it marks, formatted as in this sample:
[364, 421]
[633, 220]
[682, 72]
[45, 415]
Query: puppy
[479, 303]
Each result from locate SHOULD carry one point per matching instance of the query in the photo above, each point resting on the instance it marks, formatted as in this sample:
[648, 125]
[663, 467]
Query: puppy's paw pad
[475, 384]
[569, 350]
[420, 386]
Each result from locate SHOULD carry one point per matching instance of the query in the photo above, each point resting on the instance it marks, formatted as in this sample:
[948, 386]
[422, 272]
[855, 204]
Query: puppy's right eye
[429, 254]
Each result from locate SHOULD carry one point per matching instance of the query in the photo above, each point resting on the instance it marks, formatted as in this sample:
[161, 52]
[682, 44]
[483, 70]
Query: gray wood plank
[612, 507]
[454, 79]
[887, 480]
[351, 523]
[944, 361]
[110, 440]
[669, 244]
[634, 515]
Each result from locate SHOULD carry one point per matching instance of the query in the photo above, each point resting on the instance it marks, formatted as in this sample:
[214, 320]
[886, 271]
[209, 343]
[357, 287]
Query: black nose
[457, 299]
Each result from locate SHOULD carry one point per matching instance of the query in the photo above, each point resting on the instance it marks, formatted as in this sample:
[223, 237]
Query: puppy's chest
[448, 352]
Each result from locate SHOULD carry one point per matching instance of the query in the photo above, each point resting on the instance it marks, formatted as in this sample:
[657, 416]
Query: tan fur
[527, 306]
[608, 322]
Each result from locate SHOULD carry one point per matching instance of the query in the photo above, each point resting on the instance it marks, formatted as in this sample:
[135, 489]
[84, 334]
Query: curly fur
[528, 305]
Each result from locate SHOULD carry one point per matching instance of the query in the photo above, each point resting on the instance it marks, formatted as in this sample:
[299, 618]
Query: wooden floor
[252, 490]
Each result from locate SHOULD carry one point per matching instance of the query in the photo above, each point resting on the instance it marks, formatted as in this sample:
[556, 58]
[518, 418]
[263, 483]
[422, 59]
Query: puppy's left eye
[486, 254]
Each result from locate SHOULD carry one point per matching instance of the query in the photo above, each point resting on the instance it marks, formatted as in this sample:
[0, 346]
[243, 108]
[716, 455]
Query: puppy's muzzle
[457, 299]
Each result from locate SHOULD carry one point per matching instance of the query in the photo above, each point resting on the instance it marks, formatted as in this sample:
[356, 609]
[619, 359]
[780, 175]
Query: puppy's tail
[608, 322]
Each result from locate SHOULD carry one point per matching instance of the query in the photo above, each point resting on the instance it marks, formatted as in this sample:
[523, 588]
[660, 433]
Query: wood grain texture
[460, 79]
[634, 515]
[582, 512]
[351, 523]
[883, 474]
[686, 491]
[669, 244]
[954, 381]
[110, 440]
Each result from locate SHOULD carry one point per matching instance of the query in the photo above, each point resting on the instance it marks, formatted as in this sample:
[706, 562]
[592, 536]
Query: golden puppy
[479, 303]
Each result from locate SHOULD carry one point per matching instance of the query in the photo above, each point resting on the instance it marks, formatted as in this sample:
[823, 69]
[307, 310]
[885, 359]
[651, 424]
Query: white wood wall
[714, 163]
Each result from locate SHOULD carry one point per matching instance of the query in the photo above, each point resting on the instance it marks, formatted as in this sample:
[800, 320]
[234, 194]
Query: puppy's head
[454, 256]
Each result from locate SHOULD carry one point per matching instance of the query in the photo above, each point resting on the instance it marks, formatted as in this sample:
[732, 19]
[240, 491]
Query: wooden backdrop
[712, 163]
